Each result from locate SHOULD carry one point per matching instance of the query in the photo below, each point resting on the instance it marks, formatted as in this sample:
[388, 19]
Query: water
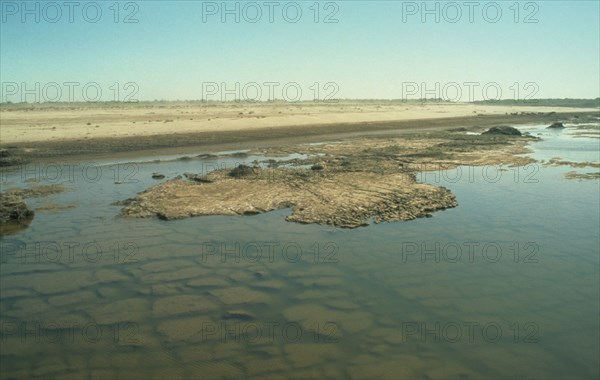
[504, 286]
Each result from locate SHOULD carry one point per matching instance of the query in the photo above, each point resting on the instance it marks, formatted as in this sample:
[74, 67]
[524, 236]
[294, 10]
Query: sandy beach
[42, 124]
[40, 132]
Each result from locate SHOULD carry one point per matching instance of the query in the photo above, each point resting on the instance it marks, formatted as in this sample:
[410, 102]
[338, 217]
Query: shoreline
[377, 162]
[215, 141]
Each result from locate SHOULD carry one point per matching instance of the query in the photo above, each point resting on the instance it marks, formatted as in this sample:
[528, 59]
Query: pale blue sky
[369, 53]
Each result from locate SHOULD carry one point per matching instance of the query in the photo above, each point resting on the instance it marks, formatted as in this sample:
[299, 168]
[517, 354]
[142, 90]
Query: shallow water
[506, 285]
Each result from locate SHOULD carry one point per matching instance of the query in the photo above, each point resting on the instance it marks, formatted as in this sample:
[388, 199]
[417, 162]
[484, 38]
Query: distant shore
[73, 133]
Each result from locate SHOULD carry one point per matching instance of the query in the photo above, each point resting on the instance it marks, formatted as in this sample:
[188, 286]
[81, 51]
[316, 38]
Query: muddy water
[506, 285]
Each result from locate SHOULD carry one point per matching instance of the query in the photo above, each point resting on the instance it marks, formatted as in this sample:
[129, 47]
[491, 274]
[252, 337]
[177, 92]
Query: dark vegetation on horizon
[566, 102]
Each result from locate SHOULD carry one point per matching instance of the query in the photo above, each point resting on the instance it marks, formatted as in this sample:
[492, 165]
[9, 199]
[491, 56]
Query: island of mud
[344, 184]
[15, 215]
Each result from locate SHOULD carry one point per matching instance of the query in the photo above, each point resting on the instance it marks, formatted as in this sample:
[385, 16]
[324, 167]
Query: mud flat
[345, 184]
[341, 199]
[580, 176]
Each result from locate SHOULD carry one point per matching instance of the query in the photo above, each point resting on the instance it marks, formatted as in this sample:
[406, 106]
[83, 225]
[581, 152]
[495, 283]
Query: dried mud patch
[582, 176]
[342, 199]
[348, 184]
[15, 214]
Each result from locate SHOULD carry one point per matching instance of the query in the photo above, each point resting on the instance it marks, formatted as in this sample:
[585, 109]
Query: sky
[298, 50]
